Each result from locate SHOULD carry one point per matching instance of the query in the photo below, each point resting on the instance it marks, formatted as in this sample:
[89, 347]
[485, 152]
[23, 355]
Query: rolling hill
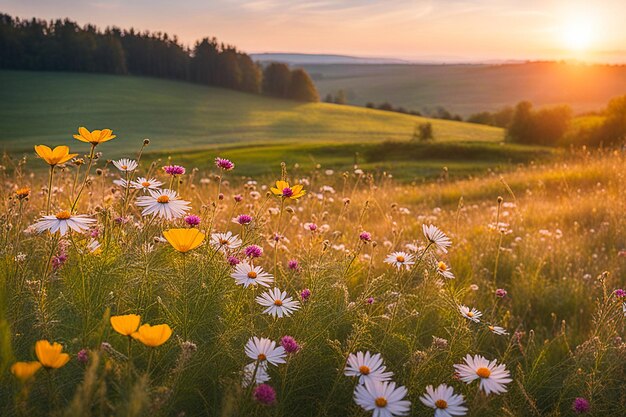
[471, 88]
[193, 123]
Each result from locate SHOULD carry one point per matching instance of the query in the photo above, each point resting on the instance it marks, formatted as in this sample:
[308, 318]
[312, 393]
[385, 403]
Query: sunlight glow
[578, 33]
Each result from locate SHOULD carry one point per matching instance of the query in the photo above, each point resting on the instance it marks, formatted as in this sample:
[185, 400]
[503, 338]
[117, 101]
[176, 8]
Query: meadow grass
[190, 122]
[554, 242]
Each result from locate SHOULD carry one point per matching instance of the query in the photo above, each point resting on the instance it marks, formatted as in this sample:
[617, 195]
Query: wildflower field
[134, 287]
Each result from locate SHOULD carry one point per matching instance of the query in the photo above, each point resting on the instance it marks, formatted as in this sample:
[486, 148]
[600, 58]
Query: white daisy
[444, 270]
[121, 182]
[400, 259]
[493, 377]
[473, 314]
[146, 184]
[367, 367]
[247, 274]
[125, 165]
[445, 402]
[164, 203]
[225, 241]
[278, 303]
[265, 351]
[258, 370]
[500, 331]
[437, 237]
[383, 398]
[62, 222]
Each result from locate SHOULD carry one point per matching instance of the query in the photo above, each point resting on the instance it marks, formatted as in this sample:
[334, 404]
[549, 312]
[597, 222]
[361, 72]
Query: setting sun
[578, 33]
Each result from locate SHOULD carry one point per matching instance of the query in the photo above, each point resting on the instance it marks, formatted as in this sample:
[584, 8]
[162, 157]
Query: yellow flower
[153, 336]
[94, 137]
[184, 240]
[25, 370]
[283, 189]
[49, 354]
[22, 193]
[58, 155]
[125, 325]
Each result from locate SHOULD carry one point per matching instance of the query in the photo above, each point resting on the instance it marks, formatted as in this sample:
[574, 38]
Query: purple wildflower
[220, 196]
[580, 405]
[224, 164]
[289, 344]
[287, 192]
[243, 219]
[305, 294]
[620, 293]
[232, 260]
[501, 293]
[370, 300]
[238, 198]
[365, 236]
[293, 264]
[95, 232]
[192, 220]
[312, 226]
[253, 251]
[83, 356]
[59, 260]
[264, 394]
[174, 170]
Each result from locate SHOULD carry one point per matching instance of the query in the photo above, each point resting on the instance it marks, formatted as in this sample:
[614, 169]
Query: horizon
[448, 32]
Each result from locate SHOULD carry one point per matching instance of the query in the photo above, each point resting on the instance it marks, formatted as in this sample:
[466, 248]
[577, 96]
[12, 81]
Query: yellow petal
[281, 185]
[25, 370]
[184, 240]
[126, 324]
[50, 355]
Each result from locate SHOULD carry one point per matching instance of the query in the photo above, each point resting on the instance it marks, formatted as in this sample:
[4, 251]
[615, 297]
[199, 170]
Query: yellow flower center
[470, 314]
[261, 357]
[441, 404]
[483, 372]
[223, 241]
[400, 258]
[491, 328]
[278, 303]
[63, 215]
[163, 199]
[381, 402]
[364, 370]
[124, 166]
[145, 184]
[442, 266]
[252, 275]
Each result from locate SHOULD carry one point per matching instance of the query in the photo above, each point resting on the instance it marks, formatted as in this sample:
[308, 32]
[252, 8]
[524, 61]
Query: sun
[577, 34]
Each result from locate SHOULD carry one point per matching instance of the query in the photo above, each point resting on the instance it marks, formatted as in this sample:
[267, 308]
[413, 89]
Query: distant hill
[194, 123]
[302, 59]
[470, 88]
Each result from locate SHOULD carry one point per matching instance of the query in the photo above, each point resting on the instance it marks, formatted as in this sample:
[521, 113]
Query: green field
[193, 123]
[468, 89]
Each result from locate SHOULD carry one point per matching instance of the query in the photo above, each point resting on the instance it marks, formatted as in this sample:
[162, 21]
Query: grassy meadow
[467, 89]
[191, 123]
[538, 250]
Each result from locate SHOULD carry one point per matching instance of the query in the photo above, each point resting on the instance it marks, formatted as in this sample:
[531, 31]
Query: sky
[442, 30]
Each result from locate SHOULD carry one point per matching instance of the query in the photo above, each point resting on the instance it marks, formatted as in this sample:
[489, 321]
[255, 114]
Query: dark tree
[276, 80]
[301, 87]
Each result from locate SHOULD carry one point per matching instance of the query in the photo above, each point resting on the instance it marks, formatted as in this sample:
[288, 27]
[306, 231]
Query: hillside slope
[193, 123]
[467, 89]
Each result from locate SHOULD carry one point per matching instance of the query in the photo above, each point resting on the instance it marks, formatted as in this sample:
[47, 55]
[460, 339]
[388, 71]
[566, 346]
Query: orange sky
[447, 30]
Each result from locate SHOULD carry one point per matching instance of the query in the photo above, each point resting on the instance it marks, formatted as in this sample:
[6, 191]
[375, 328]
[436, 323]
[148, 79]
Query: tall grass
[557, 241]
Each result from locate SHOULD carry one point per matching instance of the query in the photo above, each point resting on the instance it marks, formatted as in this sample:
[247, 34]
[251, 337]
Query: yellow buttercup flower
[283, 189]
[58, 155]
[125, 325]
[25, 370]
[95, 136]
[184, 240]
[49, 354]
[153, 336]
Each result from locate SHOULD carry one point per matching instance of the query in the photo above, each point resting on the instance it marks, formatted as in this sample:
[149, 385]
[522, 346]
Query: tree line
[63, 45]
